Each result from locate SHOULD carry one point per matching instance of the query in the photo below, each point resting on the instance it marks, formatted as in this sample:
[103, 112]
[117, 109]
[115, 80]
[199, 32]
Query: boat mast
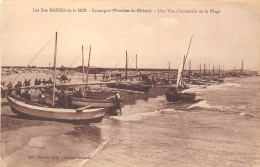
[185, 57]
[126, 67]
[54, 65]
[209, 71]
[242, 67]
[200, 71]
[87, 71]
[83, 69]
[204, 71]
[219, 71]
[213, 72]
[189, 69]
[169, 72]
[223, 71]
[88, 63]
[136, 63]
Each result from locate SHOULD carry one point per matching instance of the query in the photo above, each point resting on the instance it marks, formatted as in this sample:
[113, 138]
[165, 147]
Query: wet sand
[216, 131]
[37, 142]
[43, 143]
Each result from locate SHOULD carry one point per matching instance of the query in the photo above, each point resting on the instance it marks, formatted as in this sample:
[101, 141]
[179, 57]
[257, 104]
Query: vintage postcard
[130, 83]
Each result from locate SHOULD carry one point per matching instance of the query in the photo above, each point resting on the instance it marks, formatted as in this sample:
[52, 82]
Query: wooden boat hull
[21, 107]
[182, 97]
[134, 87]
[99, 95]
[103, 103]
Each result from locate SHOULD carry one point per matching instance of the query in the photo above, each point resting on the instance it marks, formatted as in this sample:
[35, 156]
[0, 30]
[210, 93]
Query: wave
[223, 86]
[141, 116]
[241, 107]
[205, 105]
[246, 115]
[137, 117]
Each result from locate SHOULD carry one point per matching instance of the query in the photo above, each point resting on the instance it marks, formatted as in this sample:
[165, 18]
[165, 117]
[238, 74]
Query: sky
[223, 39]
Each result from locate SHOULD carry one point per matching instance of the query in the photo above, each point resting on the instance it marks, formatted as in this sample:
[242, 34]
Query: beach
[222, 129]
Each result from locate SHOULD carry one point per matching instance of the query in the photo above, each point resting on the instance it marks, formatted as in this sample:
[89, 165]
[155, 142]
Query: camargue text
[118, 11]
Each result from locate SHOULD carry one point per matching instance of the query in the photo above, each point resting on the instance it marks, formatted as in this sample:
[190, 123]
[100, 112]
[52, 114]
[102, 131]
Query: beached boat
[104, 99]
[174, 94]
[97, 99]
[31, 109]
[104, 103]
[130, 86]
[134, 86]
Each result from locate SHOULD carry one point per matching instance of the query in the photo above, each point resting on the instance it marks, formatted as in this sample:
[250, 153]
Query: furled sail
[179, 76]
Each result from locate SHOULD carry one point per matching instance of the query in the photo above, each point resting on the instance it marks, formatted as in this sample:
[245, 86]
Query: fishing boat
[97, 99]
[192, 82]
[135, 86]
[174, 94]
[130, 86]
[31, 109]
[104, 99]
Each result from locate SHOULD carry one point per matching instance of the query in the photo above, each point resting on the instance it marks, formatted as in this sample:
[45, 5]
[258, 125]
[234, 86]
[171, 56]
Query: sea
[221, 129]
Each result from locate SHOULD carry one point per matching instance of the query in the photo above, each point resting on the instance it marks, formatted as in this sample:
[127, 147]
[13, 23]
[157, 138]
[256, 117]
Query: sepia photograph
[93, 83]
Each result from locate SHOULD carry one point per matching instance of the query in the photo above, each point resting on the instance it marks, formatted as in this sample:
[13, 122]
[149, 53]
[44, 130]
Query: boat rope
[35, 57]
[131, 61]
[40, 51]
[119, 61]
[76, 58]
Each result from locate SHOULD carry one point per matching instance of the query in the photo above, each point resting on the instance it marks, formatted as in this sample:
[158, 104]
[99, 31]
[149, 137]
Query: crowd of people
[26, 94]
[107, 76]
[42, 82]
[19, 84]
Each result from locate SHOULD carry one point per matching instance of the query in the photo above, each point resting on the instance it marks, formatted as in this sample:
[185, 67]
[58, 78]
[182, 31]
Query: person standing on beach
[36, 81]
[62, 99]
[49, 81]
[44, 81]
[17, 88]
[26, 95]
[2, 89]
[9, 86]
[25, 82]
[29, 82]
